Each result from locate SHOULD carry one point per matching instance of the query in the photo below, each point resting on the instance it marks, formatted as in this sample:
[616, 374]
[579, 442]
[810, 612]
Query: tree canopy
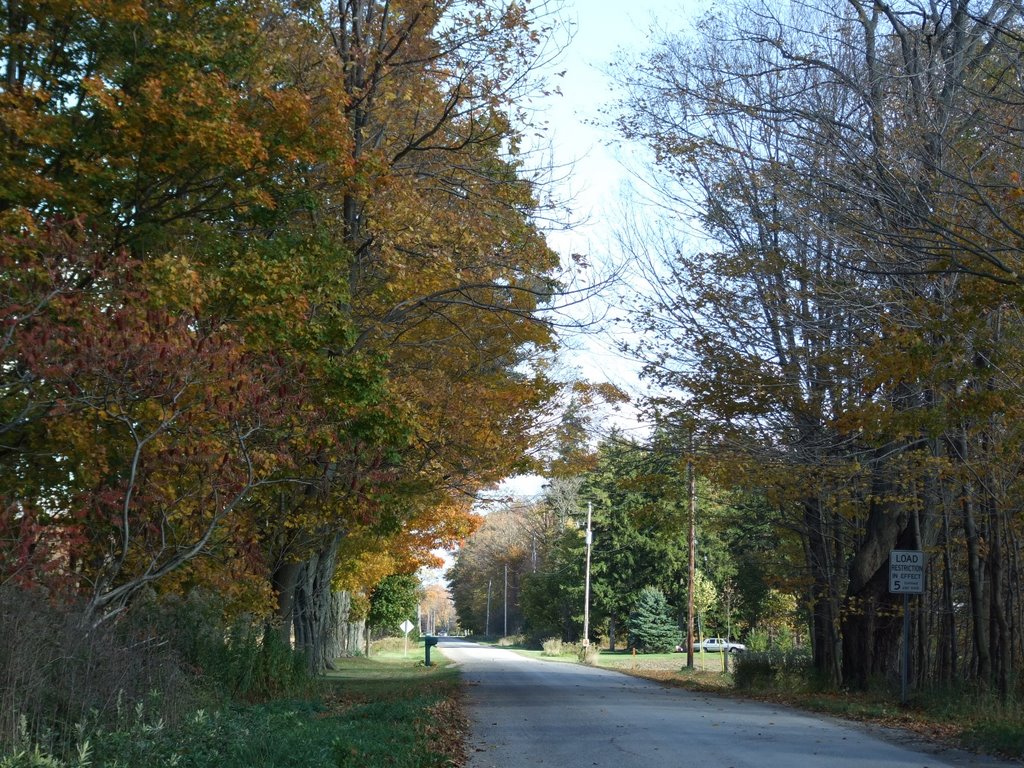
[272, 291]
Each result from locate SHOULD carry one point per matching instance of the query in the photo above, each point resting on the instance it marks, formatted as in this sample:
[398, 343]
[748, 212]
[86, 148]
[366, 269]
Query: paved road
[527, 712]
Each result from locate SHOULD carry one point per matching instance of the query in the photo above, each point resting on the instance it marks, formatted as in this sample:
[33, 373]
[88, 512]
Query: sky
[596, 178]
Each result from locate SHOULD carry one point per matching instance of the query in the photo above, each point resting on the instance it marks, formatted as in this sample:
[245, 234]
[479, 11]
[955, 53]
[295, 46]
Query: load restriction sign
[906, 572]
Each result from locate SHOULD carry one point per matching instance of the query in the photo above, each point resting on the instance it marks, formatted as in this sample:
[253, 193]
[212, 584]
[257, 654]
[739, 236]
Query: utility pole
[506, 601]
[691, 482]
[487, 621]
[586, 581]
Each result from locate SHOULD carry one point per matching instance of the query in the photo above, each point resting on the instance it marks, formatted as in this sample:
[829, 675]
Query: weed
[758, 670]
[552, 647]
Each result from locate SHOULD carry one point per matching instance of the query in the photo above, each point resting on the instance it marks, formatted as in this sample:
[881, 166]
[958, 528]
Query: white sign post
[906, 577]
[406, 627]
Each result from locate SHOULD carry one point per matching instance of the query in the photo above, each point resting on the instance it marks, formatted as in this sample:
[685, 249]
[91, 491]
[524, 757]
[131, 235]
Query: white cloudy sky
[596, 179]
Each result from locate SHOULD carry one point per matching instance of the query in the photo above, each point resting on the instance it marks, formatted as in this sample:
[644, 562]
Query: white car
[720, 644]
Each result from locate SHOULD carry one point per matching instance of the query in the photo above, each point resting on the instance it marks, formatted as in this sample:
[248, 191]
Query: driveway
[527, 712]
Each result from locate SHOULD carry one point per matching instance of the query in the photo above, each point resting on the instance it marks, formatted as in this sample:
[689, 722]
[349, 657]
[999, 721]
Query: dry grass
[57, 673]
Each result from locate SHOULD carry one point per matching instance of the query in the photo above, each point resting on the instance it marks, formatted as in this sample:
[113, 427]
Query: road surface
[527, 712]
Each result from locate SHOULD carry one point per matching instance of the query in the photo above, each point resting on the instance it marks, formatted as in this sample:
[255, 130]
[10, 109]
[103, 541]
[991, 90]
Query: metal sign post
[906, 577]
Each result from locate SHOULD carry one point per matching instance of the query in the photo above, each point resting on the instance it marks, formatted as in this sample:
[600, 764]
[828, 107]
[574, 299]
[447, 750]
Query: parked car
[720, 645]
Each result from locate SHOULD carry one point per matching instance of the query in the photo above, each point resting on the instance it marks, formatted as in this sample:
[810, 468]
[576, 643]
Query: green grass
[385, 711]
[396, 712]
[664, 662]
[625, 661]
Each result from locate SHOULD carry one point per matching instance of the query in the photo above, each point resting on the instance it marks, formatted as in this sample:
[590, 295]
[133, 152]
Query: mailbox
[428, 642]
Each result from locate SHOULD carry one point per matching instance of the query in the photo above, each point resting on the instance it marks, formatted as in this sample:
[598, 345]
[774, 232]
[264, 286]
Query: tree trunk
[946, 671]
[825, 641]
[313, 601]
[344, 637]
[872, 623]
[283, 582]
[999, 635]
[976, 581]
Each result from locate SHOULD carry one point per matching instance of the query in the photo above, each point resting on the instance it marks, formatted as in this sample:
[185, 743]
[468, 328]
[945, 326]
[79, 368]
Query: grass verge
[393, 711]
[370, 713]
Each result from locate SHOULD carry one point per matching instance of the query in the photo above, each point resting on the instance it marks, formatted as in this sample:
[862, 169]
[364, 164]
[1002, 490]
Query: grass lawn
[659, 666]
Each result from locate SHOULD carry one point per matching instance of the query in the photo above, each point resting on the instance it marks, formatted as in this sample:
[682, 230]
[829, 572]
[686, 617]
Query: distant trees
[845, 336]
[639, 540]
[492, 567]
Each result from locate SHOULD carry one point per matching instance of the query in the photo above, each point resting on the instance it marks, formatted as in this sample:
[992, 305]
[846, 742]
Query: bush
[552, 647]
[510, 640]
[63, 681]
[758, 641]
[588, 654]
[241, 658]
[772, 669]
[59, 675]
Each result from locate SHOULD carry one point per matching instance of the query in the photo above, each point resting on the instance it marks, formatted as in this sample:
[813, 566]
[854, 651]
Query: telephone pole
[691, 483]
[586, 581]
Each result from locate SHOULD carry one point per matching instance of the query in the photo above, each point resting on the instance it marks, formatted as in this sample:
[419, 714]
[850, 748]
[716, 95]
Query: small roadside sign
[406, 627]
[906, 572]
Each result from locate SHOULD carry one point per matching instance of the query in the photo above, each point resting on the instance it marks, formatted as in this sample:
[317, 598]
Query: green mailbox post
[428, 643]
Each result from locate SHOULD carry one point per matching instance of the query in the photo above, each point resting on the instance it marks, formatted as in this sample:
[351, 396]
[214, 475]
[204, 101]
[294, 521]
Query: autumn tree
[446, 272]
[825, 332]
[274, 291]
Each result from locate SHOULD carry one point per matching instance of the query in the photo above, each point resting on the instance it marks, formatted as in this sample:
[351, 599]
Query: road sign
[407, 626]
[906, 572]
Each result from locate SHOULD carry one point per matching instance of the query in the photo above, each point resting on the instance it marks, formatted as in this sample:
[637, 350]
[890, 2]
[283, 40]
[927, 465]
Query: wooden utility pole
[691, 482]
[487, 621]
[586, 581]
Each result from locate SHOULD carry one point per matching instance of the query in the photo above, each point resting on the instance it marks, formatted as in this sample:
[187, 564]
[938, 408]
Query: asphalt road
[527, 712]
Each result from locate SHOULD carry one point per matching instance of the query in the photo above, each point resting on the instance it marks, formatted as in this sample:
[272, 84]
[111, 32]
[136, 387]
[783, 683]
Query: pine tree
[651, 626]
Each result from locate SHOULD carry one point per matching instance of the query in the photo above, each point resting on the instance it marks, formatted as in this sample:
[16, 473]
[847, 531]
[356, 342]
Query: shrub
[758, 641]
[552, 647]
[772, 669]
[588, 654]
[511, 640]
[63, 680]
[241, 658]
[60, 675]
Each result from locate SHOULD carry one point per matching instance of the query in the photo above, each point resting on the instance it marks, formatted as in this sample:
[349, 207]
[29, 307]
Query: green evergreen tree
[651, 626]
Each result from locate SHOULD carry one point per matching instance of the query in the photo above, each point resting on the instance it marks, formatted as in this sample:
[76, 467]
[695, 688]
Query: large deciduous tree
[271, 291]
[844, 327]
